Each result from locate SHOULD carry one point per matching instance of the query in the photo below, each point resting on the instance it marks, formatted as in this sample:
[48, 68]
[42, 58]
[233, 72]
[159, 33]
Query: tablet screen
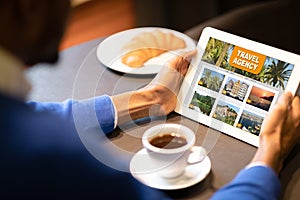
[234, 82]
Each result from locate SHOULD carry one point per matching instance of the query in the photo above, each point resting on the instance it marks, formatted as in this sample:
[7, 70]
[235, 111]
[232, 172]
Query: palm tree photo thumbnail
[277, 73]
[211, 80]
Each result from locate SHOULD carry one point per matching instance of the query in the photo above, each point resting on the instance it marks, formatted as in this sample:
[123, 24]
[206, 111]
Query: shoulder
[45, 156]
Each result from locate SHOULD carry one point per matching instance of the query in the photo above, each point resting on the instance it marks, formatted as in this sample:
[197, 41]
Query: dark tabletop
[80, 75]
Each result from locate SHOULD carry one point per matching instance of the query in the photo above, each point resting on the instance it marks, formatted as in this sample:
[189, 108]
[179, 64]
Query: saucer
[142, 169]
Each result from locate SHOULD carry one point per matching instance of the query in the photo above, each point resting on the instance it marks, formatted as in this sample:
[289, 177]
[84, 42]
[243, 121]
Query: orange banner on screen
[247, 60]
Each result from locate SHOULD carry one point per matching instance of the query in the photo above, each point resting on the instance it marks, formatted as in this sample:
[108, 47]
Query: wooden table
[80, 75]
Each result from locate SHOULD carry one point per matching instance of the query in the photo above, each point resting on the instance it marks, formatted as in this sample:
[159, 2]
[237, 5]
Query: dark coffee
[168, 140]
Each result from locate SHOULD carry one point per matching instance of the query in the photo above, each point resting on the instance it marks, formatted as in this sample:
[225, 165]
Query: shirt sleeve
[256, 182]
[93, 112]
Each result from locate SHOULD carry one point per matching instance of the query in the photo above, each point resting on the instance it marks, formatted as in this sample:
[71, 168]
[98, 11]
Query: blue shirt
[257, 182]
[43, 157]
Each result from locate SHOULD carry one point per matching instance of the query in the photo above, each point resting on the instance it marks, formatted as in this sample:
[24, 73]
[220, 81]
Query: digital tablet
[233, 82]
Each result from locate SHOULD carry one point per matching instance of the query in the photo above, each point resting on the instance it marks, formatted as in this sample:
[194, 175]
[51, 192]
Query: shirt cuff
[115, 111]
[257, 164]
[105, 111]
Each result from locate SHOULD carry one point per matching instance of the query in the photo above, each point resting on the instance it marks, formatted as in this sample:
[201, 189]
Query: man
[41, 153]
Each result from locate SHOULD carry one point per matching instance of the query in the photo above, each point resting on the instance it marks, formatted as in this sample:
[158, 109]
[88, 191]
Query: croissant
[148, 45]
[137, 58]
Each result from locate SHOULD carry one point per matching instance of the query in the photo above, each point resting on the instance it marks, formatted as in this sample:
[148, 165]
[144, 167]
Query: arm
[156, 99]
[280, 133]
[159, 97]
[99, 111]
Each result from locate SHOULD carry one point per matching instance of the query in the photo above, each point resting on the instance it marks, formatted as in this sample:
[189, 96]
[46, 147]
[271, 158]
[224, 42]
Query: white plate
[140, 168]
[109, 51]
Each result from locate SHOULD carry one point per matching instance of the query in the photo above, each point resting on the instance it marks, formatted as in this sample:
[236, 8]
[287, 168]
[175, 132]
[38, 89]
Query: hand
[280, 132]
[159, 97]
[165, 86]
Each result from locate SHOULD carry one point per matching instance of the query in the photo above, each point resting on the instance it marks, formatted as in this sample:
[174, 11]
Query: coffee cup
[170, 148]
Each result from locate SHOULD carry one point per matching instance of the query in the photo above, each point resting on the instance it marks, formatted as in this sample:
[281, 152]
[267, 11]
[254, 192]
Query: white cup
[171, 162]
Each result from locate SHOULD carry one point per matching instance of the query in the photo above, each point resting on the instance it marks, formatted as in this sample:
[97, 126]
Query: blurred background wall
[183, 14]
[92, 19]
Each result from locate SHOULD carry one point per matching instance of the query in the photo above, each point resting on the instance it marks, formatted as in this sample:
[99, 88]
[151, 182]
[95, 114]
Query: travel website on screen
[237, 86]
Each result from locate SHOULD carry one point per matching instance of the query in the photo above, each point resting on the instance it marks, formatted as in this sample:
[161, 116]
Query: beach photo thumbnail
[260, 98]
[202, 103]
[250, 122]
[211, 80]
[226, 112]
[236, 89]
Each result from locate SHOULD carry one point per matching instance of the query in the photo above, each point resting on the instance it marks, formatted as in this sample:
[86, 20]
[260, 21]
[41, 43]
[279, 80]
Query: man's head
[31, 29]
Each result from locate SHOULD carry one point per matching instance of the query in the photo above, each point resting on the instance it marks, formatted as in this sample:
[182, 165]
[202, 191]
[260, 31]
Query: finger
[173, 74]
[185, 56]
[291, 106]
[277, 115]
[295, 111]
[292, 126]
[189, 55]
[282, 105]
[285, 99]
[184, 61]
